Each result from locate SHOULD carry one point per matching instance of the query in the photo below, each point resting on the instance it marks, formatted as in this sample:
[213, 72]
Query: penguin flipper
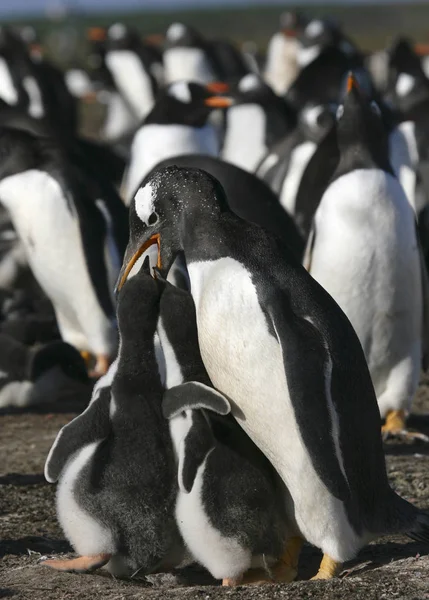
[193, 395]
[310, 375]
[92, 425]
[308, 253]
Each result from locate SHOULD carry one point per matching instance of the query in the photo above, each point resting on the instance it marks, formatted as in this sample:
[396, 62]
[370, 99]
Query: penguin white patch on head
[311, 115]
[405, 84]
[340, 112]
[117, 31]
[144, 201]
[249, 82]
[176, 31]
[314, 29]
[8, 90]
[180, 90]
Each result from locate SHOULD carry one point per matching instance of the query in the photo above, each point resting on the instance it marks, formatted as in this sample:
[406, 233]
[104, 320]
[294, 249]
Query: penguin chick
[115, 462]
[47, 374]
[229, 503]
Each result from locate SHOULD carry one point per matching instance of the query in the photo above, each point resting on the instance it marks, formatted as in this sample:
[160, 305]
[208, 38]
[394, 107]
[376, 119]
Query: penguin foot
[394, 427]
[101, 366]
[286, 569]
[329, 568]
[86, 357]
[83, 564]
[231, 581]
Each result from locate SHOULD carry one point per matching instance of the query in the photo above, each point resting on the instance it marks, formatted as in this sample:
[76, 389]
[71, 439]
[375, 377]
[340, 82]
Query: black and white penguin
[231, 62]
[188, 56]
[229, 504]
[284, 166]
[364, 251]
[130, 62]
[178, 124]
[262, 318]
[43, 374]
[115, 462]
[74, 229]
[281, 66]
[256, 119]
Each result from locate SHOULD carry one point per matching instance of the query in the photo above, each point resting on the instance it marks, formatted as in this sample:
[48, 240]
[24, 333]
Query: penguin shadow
[19, 479]
[73, 403]
[402, 447]
[7, 593]
[34, 544]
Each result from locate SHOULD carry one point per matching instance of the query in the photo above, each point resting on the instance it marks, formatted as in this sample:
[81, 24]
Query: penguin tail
[410, 520]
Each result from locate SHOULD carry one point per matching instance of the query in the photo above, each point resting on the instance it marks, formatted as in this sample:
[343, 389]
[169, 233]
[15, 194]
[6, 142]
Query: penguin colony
[237, 269]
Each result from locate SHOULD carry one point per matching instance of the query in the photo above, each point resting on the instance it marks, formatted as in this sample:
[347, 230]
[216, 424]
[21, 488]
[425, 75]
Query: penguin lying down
[126, 488]
[39, 375]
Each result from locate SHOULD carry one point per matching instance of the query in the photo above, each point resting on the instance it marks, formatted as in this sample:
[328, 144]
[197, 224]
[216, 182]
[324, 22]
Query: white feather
[244, 144]
[299, 159]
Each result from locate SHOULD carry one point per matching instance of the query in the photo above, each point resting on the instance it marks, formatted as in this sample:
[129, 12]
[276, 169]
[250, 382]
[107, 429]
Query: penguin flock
[234, 273]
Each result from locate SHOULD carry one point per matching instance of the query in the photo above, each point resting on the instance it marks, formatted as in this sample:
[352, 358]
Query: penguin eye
[340, 112]
[153, 218]
[375, 108]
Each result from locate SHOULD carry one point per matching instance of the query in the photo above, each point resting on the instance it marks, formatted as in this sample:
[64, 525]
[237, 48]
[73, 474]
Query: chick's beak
[128, 264]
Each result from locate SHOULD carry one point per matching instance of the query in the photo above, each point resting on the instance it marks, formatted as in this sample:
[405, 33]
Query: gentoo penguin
[262, 318]
[74, 229]
[188, 56]
[178, 124]
[284, 166]
[129, 61]
[256, 119]
[49, 373]
[281, 66]
[364, 251]
[228, 508]
[231, 62]
[115, 462]
[248, 197]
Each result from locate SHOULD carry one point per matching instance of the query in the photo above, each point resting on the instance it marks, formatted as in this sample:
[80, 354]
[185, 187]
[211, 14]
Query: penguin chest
[245, 136]
[187, 64]
[365, 255]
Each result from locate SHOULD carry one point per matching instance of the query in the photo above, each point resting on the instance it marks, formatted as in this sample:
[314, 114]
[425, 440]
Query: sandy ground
[392, 567]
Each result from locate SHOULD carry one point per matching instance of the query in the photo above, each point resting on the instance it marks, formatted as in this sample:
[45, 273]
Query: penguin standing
[188, 56]
[115, 463]
[262, 318]
[255, 121]
[364, 252]
[74, 229]
[229, 508]
[178, 124]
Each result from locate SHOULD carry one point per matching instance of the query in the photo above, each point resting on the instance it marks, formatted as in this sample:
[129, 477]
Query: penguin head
[168, 199]
[183, 103]
[408, 86]
[138, 303]
[179, 35]
[361, 131]
[316, 120]
[292, 22]
[317, 36]
[122, 37]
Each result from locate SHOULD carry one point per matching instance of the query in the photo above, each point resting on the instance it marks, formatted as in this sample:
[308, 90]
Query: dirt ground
[390, 568]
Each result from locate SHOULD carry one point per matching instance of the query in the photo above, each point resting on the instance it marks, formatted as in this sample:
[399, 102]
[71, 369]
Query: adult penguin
[256, 119]
[74, 229]
[364, 251]
[188, 56]
[279, 347]
[177, 124]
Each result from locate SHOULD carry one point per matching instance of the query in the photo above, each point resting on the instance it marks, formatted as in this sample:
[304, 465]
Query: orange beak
[422, 49]
[154, 239]
[352, 83]
[156, 39]
[217, 87]
[218, 102]
[292, 33]
[97, 34]
[90, 97]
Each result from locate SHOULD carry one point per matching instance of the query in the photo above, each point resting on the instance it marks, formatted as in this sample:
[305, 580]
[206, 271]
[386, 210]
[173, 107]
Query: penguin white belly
[300, 157]
[365, 255]
[187, 64]
[244, 144]
[8, 91]
[281, 67]
[132, 80]
[222, 556]
[244, 361]
[87, 536]
[155, 143]
[119, 118]
[51, 237]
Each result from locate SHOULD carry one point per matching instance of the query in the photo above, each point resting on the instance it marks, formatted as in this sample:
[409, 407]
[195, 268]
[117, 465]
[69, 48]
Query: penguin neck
[358, 156]
[138, 368]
